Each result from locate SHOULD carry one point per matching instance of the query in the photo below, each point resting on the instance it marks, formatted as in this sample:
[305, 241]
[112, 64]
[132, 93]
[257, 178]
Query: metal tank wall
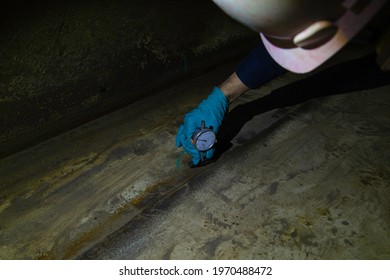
[66, 62]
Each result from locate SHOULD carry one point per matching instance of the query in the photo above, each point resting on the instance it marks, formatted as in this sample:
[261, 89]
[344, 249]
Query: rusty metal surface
[305, 180]
[315, 187]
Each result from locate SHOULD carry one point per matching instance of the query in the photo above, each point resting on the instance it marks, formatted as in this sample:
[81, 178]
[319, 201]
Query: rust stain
[92, 236]
[153, 191]
[323, 211]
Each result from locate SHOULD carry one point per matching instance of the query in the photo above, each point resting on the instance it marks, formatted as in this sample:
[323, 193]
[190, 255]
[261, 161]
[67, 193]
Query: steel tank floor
[302, 173]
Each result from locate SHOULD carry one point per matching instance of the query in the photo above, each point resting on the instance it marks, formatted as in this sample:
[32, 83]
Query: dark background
[66, 62]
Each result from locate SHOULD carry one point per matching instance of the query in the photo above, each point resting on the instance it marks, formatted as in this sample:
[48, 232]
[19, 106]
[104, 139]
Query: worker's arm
[252, 72]
[233, 87]
[255, 70]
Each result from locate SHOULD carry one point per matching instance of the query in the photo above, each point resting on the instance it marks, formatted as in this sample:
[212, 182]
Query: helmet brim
[300, 60]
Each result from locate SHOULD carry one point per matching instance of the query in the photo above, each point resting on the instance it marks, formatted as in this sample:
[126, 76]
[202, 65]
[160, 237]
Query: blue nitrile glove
[211, 110]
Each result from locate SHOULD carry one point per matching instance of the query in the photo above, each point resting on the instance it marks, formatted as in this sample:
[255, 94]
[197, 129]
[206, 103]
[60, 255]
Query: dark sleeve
[258, 68]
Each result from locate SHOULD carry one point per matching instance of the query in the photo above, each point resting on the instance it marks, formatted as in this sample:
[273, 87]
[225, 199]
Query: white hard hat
[302, 34]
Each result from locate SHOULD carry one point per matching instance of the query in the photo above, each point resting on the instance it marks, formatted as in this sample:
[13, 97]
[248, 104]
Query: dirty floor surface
[303, 173]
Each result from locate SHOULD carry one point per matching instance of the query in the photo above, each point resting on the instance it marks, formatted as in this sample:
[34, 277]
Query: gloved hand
[211, 110]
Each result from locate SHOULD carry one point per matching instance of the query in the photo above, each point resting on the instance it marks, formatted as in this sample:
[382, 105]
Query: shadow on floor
[350, 76]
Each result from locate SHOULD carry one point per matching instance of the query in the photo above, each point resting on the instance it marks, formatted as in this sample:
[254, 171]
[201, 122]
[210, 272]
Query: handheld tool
[203, 139]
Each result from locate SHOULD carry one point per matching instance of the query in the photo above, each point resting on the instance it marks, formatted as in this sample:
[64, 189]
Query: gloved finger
[182, 139]
[179, 135]
[194, 153]
[210, 153]
[196, 159]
